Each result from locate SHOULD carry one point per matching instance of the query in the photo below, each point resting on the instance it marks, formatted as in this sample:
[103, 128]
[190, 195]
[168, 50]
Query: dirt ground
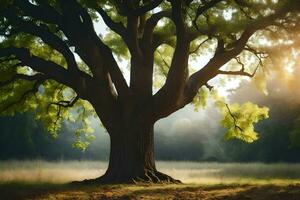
[151, 192]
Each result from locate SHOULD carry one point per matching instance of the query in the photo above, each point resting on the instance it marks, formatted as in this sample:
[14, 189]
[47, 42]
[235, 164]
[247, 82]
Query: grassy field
[151, 192]
[208, 181]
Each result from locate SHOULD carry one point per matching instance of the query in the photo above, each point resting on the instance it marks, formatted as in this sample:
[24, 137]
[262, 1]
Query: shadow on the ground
[147, 192]
[225, 192]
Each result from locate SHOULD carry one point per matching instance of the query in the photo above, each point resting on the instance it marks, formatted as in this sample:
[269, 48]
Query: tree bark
[132, 157]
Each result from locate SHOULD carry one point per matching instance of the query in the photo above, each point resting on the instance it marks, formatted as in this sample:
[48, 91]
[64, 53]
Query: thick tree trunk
[132, 155]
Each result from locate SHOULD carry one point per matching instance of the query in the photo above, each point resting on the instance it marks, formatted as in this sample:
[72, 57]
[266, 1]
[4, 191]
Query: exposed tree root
[149, 176]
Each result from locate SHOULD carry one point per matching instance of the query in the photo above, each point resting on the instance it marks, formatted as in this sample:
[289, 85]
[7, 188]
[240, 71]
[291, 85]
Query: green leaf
[239, 120]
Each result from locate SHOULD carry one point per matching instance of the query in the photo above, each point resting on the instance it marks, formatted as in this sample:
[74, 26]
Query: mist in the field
[188, 172]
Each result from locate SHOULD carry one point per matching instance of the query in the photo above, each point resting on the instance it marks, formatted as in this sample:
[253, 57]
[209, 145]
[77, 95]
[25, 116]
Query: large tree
[52, 59]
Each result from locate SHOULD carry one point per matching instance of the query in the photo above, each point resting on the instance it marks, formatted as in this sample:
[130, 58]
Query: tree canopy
[53, 62]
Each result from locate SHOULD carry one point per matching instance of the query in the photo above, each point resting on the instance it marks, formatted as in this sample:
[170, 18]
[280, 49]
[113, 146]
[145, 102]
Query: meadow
[49, 180]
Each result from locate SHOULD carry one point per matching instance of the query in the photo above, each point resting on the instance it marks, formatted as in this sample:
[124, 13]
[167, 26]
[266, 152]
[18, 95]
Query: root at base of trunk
[149, 176]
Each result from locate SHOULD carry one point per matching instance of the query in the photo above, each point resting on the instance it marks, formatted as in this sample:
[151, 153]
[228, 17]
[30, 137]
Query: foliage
[218, 33]
[240, 120]
[237, 119]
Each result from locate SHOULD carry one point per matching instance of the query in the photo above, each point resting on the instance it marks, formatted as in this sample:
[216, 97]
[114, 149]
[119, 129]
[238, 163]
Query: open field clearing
[48, 180]
[187, 172]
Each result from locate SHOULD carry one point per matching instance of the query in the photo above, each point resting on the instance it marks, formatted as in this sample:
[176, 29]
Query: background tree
[40, 69]
[29, 140]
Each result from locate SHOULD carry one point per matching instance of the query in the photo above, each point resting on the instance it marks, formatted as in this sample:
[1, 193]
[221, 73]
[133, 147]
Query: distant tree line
[22, 137]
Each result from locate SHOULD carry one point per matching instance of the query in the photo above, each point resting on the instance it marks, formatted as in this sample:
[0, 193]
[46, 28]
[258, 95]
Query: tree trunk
[132, 155]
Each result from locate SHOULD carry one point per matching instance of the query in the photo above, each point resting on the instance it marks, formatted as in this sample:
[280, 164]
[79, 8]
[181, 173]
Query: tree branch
[147, 7]
[35, 77]
[211, 69]
[242, 71]
[178, 18]
[150, 25]
[168, 97]
[221, 57]
[127, 8]
[23, 97]
[65, 103]
[49, 68]
[234, 119]
[204, 8]
[238, 73]
[46, 14]
[199, 46]
[116, 27]
[91, 49]
[44, 33]
[165, 73]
